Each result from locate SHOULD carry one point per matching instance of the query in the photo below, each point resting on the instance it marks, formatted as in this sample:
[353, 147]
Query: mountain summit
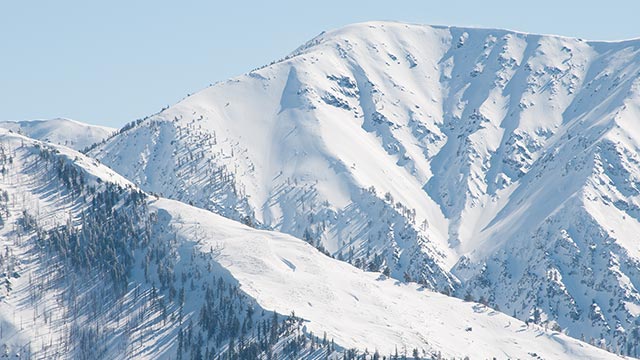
[487, 164]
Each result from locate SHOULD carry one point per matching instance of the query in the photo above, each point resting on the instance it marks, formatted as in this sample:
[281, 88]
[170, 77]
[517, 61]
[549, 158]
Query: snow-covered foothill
[67, 132]
[358, 309]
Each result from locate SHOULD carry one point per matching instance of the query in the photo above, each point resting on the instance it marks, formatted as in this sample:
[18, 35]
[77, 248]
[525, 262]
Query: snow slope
[71, 133]
[88, 272]
[362, 309]
[492, 164]
[57, 305]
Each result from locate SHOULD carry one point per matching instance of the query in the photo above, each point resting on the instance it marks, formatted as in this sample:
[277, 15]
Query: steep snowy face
[73, 134]
[61, 238]
[453, 157]
[361, 310]
[94, 268]
[90, 272]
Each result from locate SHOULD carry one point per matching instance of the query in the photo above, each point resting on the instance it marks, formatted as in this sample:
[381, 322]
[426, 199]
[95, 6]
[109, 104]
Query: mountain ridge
[438, 155]
[95, 268]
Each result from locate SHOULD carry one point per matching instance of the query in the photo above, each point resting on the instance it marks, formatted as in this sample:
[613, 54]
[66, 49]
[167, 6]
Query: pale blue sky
[111, 62]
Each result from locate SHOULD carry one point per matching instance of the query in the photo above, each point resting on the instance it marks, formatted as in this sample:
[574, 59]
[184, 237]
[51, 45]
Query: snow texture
[489, 164]
[274, 271]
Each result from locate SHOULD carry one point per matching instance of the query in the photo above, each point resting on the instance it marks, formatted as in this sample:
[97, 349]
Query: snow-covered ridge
[359, 309]
[71, 133]
[95, 172]
[183, 265]
[87, 270]
[448, 156]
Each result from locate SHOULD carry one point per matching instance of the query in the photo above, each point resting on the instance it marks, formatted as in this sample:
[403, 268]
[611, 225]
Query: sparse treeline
[121, 282]
[113, 278]
[213, 183]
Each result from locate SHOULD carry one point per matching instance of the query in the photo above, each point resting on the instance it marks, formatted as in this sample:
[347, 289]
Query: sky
[111, 62]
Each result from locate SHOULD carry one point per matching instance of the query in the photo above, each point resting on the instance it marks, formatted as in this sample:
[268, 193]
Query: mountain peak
[477, 162]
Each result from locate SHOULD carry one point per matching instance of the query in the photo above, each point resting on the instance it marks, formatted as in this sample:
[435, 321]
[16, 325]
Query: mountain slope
[88, 272]
[71, 133]
[94, 268]
[476, 161]
[356, 308]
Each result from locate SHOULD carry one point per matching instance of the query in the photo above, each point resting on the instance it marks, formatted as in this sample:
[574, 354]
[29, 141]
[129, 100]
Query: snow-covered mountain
[496, 165]
[94, 268]
[71, 133]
